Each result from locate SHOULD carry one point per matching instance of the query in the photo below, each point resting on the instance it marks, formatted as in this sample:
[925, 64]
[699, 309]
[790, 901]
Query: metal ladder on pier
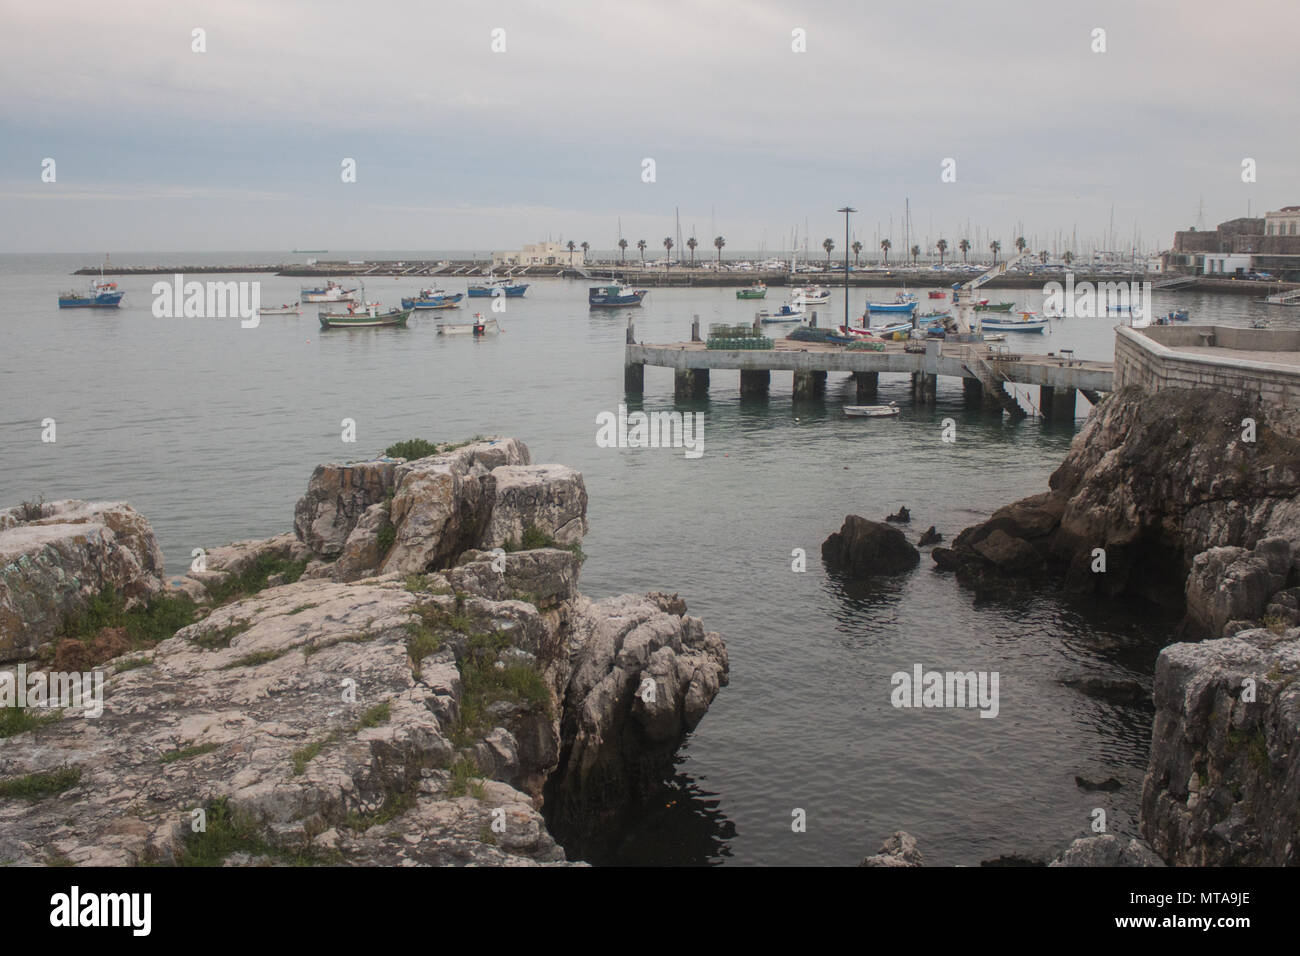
[993, 380]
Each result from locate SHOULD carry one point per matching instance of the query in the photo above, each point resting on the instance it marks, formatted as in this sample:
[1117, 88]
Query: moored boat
[756, 291]
[908, 307]
[938, 295]
[810, 294]
[434, 298]
[368, 317]
[330, 292]
[987, 306]
[614, 296]
[103, 295]
[1026, 323]
[479, 327]
[872, 411]
[790, 312]
[282, 310]
[489, 288]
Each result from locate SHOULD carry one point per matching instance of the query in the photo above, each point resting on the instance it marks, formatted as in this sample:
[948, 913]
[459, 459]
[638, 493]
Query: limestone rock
[862, 548]
[364, 550]
[549, 498]
[337, 496]
[52, 566]
[899, 849]
[1108, 849]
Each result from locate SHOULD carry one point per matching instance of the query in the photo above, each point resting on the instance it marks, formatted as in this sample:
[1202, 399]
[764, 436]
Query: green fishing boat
[757, 291]
[994, 306]
[370, 318]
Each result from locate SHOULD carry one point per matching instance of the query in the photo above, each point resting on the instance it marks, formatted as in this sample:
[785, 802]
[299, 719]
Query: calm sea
[212, 431]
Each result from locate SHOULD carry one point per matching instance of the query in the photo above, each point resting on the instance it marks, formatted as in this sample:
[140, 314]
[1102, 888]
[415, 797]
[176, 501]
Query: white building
[1283, 222]
[541, 254]
[1226, 264]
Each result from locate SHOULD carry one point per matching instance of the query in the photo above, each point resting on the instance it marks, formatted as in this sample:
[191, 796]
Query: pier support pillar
[695, 329]
[809, 385]
[972, 391]
[1057, 404]
[634, 378]
[988, 401]
[691, 383]
[755, 382]
[923, 386]
[867, 383]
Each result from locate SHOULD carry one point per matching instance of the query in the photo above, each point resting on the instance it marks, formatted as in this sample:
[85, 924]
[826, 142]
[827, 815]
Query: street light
[846, 210]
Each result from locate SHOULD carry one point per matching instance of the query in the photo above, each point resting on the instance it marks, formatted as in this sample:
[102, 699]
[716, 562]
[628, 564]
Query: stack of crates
[732, 337]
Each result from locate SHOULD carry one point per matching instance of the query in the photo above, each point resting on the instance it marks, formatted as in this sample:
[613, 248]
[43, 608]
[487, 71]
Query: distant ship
[310, 250]
[481, 290]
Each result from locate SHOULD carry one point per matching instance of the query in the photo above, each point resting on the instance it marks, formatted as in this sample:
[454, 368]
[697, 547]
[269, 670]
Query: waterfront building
[541, 254]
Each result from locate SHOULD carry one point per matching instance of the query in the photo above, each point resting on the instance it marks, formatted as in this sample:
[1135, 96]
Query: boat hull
[382, 320]
[995, 307]
[477, 329]
[871, 411]
[107, 300]
[449, 301]
[615, 301]
[1033, 325]
[891, 307]
[511, 292]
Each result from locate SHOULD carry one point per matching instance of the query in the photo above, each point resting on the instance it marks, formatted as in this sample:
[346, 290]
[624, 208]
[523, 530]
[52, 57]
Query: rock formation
[1160, 497]
[410, 707]
[861, 548]
[1107, 849]
[56, 557]
[899, 849]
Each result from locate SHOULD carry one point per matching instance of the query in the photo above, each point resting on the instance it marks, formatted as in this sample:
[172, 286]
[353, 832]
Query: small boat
[614, 296]
[478, 328]
[482, 290]
[330, 292]
[998, 337]
[905, 306]
[103, 295]
[755, 291]
[987, 306]
[1260, 324]
[811, 294]
[790, 312]
[890, 329]
[367, 317]
[1180, 315]
[934, 316]
[872, 411]
[434, 298]
[282, 310]
[1026, 323]
[1054, 314]
[938, 295]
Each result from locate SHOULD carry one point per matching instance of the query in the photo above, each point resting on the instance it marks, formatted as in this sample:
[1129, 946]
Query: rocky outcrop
[337, 496]
[1223, 784]
[862, 548]
[1107, 849]
[1161, 497]
[57, 556]
[899, 849]
[406, 718]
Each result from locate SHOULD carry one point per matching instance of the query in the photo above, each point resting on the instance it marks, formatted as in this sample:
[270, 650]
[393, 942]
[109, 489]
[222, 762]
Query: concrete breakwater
[395, 682]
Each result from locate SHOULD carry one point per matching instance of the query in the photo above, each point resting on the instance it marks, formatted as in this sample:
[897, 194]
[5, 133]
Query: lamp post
[846, 210]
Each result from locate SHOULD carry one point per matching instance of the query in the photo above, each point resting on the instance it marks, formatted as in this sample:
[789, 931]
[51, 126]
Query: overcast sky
[458, 147]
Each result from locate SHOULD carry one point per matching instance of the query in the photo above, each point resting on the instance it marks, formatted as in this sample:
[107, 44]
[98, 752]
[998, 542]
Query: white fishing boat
[294, 309]
[478, 328]
[810, 294]
[872, 411]
[330, 292]
[1028, 322]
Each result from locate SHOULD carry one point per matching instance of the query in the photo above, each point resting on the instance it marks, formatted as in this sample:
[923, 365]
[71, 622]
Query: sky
[459, 146]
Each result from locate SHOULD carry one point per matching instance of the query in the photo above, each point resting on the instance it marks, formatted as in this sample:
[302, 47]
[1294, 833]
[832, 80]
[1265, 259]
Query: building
[541, 254]
[1284, 222]
[1241, 246]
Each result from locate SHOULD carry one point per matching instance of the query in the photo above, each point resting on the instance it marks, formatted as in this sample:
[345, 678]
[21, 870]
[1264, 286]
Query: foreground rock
[415, 717]
[899, 849]
[1223, 784]
[1160, 498]
[1108, 850]
[862, 548]
[56, 557]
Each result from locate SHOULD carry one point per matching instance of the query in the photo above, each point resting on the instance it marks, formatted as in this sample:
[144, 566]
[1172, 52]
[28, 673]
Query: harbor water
[211, 430]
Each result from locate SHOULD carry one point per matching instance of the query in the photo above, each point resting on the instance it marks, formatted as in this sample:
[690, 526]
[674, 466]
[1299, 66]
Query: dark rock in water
[1013, 859]
[899, 850]
[1109, 785]
[863, 547]
[1114, 689]
[930, 537]
[902, 516]
[1108, 850]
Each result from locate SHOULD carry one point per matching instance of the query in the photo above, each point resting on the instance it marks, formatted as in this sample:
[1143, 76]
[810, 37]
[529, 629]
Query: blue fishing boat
[903, 302]
[434, 298]
[614, 296]
[103, 295]
[483, 290]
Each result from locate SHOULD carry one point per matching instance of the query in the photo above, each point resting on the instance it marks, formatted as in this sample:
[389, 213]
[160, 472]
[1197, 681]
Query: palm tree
[640, 244]
[718, 243]
[1020, 243]
[857, 251]
[885, 246]
[964, 246]
[1042, 256]
[942, 246]
[691, 243]
[572, 246]
[668, 248]
[1068, 257]
[622, 245]
[996, 247]
[828, 245]
[586, 247]
[916, 251]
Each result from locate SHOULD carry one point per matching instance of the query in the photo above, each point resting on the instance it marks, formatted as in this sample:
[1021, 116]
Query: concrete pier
[691, 383]
[868, 383]
[923, 387]
[808, 385]
[972, 391]
[755, 382]
[1056, 404]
